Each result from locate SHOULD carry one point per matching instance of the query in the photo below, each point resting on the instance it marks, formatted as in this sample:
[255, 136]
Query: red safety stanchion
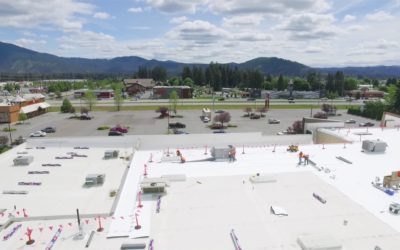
[29, 234]
[100, 229]
[137, 227]
[140, 199]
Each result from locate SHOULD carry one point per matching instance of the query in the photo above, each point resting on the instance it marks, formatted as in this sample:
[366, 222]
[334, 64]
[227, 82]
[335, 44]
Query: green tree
[350, 83]
[396, 104]
[90, 99]
[118, 99]
[159, 74]
[188, 82]
[173, 100]
[390, 98]
[281, 83]
[22, 117]
[66, 106]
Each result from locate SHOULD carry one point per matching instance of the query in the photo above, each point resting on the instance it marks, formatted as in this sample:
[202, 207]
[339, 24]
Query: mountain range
[18, 60]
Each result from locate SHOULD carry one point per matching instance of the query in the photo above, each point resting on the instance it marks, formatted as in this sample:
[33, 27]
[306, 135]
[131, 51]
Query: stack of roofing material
[318, 242]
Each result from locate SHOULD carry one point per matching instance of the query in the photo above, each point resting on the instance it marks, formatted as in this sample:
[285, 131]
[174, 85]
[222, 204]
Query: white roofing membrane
[217, 197]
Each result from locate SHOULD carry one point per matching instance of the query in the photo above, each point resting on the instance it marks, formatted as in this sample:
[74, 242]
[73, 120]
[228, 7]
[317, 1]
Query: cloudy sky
[313, 32]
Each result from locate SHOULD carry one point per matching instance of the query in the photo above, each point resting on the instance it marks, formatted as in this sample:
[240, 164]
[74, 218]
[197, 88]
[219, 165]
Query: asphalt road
[147, 123]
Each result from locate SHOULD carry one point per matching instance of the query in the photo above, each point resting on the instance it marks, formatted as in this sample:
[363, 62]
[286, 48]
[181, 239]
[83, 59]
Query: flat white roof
[200, 212]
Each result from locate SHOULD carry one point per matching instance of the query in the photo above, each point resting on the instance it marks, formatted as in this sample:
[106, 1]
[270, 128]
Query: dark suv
[49, 130]
[176, 125]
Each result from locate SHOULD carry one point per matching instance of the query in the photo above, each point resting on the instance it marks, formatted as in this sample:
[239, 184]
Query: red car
[119, 129]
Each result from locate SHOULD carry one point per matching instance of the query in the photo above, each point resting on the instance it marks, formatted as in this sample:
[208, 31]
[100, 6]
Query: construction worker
[300, 157]
[306, 157]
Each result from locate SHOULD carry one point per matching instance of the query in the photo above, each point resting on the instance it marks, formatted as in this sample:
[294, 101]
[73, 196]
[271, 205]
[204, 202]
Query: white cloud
[310, 26]
[348, 18]
[313, 49]
[178, 20]
[353, 28]
[102, 15]
[251, 37]
[135, 10]
[266, 6]
[44, 14]
[378, 47]
[199, 32]
[243, 20]
[379, 16]
[24, 42]
[175, 6]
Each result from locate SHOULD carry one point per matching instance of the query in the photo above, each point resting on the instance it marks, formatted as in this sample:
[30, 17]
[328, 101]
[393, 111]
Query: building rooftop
[205, 200]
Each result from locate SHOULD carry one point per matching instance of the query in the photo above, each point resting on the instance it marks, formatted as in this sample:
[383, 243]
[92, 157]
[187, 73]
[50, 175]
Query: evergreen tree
[66, 106]
[280, 84]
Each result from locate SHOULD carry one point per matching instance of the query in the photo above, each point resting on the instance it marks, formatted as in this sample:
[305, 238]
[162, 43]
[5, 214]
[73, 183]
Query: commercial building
[263, 200]
[164, 92]
[136, 86]
[30, 104]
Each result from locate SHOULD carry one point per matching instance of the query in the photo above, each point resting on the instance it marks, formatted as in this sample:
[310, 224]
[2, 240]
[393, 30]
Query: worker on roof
[300, 157]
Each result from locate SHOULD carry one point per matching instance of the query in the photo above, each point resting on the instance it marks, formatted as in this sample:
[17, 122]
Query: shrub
[66, 106]
[297, 127]
[224, 117]
[103, 128]
[9, 129]
[164, 112]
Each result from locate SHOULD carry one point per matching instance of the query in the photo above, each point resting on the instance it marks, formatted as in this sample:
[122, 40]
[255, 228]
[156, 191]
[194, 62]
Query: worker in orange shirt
[300, 157]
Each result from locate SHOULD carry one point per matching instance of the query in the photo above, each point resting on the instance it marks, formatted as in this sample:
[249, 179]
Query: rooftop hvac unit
[23, 160]
[94, 179]
[154, 185]
[221, 153]
[374, 146]
[109, 154]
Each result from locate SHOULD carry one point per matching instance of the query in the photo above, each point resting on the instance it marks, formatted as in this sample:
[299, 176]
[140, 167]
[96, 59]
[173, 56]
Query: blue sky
[313, 32]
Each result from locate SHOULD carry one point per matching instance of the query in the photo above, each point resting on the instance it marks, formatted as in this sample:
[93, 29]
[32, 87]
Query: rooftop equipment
[221, 153]
[94, 179]
[24, 160]
[374, 146]
[154, 185]
[109, 154]
[392, 181]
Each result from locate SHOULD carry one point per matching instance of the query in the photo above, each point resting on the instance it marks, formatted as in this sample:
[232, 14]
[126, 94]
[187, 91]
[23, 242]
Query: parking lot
[147, 122]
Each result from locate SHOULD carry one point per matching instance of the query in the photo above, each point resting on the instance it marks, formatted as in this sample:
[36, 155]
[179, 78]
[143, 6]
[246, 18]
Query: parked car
[49, 130]
[220, 131]
[291, 100]
[366, 124]
[180, 132]
[216, 126]
[119, 129]
[350, 121]
[219, 111]
[251, 99]
[282, 133]
[38, 134]
[85, 117]
[206, 119]
[176, 125]
[254, 116]
[273, 121]
[115, 133]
